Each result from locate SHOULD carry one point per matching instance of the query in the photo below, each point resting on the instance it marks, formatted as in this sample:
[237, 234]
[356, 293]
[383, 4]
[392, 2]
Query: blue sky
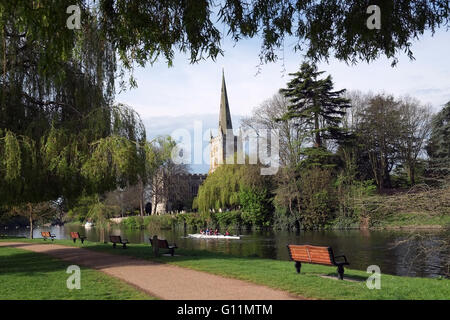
[172, 98]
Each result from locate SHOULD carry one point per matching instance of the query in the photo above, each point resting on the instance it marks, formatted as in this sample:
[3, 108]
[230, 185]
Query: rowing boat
[204, 236]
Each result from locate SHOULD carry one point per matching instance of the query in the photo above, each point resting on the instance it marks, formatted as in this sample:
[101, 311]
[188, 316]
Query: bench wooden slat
[164, 244]
[315, 255]
[310, 254]
[118, 239]
[47, 234]
[76, 235]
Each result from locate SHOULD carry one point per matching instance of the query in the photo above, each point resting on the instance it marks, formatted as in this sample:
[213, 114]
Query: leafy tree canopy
[142, 31]
[438, 147]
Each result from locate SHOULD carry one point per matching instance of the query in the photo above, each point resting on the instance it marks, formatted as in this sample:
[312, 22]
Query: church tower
[225, 144]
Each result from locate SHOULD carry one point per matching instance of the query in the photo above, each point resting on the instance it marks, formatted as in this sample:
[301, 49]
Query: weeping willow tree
[60, 135]
[237, 187]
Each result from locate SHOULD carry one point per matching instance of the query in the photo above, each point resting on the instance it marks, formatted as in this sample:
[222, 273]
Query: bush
[350, 194]
[134, 222]
[165, 221]
[318, 201]
[193, 220]
[284, 220]
[342, 222]
[228, 219]
[256, 207]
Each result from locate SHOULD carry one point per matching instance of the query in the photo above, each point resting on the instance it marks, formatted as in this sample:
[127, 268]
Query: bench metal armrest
[342, 256]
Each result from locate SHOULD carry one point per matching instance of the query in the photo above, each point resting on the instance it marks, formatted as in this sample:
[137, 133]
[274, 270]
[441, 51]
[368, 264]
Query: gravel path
[159, 280]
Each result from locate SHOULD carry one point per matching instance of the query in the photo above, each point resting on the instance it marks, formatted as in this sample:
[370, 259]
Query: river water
[405, 253]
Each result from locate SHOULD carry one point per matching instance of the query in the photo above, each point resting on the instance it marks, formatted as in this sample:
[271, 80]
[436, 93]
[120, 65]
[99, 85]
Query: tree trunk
[102, 234]
[141, 204]
[387, 178]
[318, 143]
[141, 197]
[412, 174]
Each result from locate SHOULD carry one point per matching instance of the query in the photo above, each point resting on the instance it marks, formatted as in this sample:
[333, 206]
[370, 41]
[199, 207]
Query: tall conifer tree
[313, 100]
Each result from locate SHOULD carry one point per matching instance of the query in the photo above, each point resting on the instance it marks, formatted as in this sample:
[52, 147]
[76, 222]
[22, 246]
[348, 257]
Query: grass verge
[281, 274]
[26, 275]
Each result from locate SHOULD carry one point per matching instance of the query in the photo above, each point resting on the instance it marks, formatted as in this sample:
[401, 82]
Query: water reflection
[418, 253]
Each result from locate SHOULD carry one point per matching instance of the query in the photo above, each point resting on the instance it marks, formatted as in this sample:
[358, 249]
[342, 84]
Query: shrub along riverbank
[415, 209]
[282, 275]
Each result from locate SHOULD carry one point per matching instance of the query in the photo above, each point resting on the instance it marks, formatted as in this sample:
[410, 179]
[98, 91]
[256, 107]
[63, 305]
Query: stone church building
[222, 147]
[225, 144]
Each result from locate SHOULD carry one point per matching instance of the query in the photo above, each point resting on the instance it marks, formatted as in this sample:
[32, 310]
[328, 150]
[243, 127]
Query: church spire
[224, 115]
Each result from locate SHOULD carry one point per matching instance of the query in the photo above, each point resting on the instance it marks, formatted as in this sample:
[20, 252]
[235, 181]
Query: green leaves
[145, 31]
[256, 207]
[12, 160]
[112, 161]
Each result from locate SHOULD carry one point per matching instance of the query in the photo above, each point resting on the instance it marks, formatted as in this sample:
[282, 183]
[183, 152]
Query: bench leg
[124, 246]
[172, 251]
[298, 266]
[82, 241]
[114, 245]
[340, 271]
[74, 240]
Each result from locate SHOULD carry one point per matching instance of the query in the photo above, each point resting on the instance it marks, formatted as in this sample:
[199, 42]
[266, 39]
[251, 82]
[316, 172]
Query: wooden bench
[118, 239]
[316, 255]
[76, 235]
[47, 235]
[163, 244]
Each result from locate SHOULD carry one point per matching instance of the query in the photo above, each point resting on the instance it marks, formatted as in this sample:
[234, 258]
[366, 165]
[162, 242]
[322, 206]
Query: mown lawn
[282, 274]
[28, 275]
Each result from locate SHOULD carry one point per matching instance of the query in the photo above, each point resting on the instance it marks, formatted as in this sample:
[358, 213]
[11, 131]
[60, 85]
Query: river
[405, 253]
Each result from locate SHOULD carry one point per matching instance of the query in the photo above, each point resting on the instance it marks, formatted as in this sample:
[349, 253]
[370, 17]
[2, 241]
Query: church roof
[224, 115]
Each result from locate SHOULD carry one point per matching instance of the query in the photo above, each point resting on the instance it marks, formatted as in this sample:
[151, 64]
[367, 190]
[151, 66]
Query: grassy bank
[282, 275]
[28, 275]
[416, 208]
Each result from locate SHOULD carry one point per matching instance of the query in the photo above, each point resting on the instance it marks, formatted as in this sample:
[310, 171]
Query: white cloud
[186, 89]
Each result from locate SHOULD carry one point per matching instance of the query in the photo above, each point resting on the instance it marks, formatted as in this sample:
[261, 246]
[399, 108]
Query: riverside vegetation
[65, 146]
[420, 208]
[360, 168]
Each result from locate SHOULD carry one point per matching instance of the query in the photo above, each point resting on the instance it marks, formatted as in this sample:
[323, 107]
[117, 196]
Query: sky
[174, 98]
